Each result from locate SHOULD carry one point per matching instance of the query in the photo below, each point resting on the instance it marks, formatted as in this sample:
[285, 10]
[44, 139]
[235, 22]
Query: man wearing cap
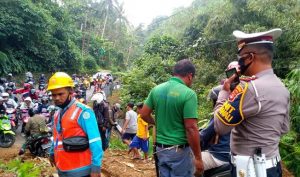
[76, 150]
[257, 110]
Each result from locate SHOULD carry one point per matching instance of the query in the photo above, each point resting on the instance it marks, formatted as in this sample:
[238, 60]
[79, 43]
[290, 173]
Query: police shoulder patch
[231, 111]
[86, 115]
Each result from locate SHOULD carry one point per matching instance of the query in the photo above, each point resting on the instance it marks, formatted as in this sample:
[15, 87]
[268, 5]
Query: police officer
[257, 110]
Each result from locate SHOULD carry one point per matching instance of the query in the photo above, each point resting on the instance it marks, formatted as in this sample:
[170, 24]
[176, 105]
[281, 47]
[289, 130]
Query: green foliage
[293, 83]
[147, 72]
[22, 169]
[290, 152]
[90, 64]
[116, 143]
[164, 46]
[45, 36]
[290, 143]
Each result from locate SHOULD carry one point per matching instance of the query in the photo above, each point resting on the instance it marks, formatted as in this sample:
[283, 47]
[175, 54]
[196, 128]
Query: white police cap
[245, 39]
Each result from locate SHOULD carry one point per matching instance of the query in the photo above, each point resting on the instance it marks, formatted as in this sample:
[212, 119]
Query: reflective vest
[66, 161]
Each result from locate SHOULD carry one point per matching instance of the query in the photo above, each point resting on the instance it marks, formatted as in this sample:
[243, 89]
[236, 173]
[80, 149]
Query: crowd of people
[243, 132]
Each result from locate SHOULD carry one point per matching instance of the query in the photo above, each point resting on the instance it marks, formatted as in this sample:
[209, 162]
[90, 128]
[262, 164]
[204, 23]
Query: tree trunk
[105, 21]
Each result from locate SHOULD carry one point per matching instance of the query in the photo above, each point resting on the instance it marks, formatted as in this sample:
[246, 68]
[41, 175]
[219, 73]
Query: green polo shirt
[173, 102]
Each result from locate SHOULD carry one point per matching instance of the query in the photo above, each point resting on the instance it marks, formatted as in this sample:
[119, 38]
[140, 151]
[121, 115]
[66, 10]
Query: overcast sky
[144, 11]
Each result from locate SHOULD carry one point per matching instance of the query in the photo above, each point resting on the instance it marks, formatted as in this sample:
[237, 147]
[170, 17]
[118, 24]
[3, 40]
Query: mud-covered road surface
[116, 163]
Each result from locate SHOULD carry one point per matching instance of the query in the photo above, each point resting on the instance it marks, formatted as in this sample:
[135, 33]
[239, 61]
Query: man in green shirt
[175, 106]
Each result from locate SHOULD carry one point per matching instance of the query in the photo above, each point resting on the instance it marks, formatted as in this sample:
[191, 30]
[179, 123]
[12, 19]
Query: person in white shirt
[130, 124]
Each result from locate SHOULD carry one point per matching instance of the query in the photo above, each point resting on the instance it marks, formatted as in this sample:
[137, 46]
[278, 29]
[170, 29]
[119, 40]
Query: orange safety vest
[66, 161]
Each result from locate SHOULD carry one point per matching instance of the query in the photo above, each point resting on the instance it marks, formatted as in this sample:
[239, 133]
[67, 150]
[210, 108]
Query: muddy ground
[116, 163]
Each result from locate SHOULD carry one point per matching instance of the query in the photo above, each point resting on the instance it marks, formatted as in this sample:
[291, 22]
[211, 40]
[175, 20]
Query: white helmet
[28, 99]
[5, 94]
[98, 97]
[118, 105]
[103, 93]
[233, 64]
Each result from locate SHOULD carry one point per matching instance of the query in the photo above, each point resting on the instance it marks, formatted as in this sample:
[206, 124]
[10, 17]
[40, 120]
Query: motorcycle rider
[10, 77]
[41, 91]
[2, 84]
[43, 107]
[26, 105]
[8, 102]
[29, 77]
[42, 79]
[215, 148]
[9, 90]
[24, 91]
[2, 107]
[35, 127]
[33, 94]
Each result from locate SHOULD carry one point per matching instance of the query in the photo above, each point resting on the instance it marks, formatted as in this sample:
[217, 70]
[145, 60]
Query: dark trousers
[271, 172]
[104, 139]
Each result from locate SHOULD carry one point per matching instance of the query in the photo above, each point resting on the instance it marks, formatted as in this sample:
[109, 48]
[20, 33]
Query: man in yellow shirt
[141, 140]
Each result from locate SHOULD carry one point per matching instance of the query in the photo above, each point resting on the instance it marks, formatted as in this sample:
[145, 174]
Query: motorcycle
[25, 118]
[7, 136]
[11, 114]
[40, 146]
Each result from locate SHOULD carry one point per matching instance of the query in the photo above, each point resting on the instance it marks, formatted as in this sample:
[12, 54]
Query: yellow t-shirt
[142, 132]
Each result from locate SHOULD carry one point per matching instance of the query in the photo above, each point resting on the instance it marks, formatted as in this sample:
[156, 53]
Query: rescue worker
[257, 110]
[35, 127]
[76, 150]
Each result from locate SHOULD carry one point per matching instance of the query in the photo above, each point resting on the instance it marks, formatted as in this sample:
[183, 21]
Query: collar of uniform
[177, 79]
[265, 72]
[67, 107]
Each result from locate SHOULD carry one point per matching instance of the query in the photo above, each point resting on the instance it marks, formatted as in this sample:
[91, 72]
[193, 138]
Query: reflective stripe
[256, 94]
[94, 140]
[74, 113]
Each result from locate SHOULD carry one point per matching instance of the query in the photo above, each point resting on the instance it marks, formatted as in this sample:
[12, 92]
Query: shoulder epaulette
[248, 79]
